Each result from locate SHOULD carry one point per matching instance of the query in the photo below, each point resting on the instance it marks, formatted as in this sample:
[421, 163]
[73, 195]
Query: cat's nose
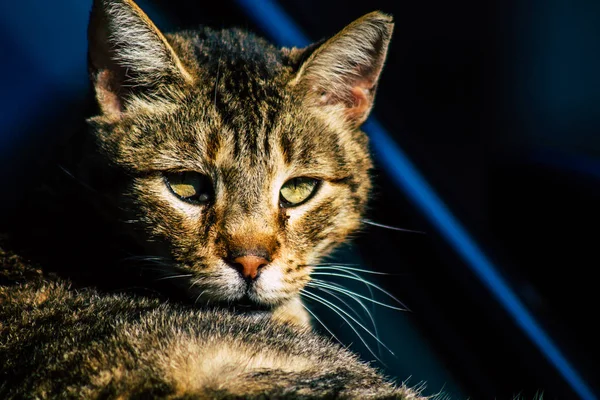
[249, 265]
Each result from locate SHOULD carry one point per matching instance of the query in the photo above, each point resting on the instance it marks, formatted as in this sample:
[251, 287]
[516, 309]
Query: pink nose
[249, 265]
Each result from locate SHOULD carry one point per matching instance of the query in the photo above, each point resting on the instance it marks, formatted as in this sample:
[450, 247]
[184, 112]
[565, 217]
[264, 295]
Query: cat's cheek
[270, 285]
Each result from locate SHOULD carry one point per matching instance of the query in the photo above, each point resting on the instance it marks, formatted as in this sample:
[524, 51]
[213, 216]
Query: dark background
[497, 105]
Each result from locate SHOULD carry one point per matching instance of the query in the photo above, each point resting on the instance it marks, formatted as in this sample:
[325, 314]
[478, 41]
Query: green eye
[191, 187]
[297, 190]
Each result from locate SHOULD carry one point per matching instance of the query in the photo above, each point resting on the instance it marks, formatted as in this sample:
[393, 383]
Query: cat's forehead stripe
[213, 143]
[287, 148]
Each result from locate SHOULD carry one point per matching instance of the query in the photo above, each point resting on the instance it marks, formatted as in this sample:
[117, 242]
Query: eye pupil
[191, 187]
[297, 191]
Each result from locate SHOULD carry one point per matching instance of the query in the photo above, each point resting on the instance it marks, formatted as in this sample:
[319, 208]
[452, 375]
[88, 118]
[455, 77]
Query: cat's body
[57, 342]
[223, 168]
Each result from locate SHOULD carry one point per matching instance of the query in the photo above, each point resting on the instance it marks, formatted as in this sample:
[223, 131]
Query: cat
[226, 169]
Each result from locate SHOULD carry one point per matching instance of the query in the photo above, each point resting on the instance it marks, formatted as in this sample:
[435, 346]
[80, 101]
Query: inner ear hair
[345, 69]
[127, 55]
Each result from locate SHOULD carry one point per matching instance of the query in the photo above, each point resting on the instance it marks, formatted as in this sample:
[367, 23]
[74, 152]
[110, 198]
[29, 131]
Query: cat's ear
[343, 72]
[128, 56]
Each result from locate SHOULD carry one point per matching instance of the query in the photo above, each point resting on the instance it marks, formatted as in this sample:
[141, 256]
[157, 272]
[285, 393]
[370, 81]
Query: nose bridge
[247, 202]
[245, 189]
[249, 230]
[243, 215]
[250, 237]
[248, 219]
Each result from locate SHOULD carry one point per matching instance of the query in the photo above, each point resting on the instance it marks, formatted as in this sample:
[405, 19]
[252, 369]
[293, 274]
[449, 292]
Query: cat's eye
[189, 186]
[297, 191]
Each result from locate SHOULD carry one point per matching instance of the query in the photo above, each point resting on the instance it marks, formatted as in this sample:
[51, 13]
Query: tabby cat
[220, 169]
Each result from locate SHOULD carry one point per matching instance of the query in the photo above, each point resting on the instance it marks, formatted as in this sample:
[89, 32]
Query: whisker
[130, 221]
[194, 283]
[79, 181]
[144, 258]
[371, 294]
[353, 319]
[174, 277]
[393, 228]
[323, 325]
[198, 298]
[342, 268]
[343, 302]
[349, 272]
[320, 300]
[320, 287]
[366, 282]
[360, 277]
[340, 289]
[332, 263]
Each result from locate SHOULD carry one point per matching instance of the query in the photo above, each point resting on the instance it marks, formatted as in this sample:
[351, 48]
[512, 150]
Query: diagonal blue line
[279, 26]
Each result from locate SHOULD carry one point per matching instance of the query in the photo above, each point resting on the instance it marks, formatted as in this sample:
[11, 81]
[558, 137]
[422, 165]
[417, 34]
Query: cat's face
[244, 163]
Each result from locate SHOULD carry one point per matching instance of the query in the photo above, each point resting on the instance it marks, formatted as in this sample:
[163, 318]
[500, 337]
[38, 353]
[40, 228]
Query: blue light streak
[279, 26]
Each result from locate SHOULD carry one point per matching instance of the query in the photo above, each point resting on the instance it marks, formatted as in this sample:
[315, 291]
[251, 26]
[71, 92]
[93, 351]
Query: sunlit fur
[250, 116]
[61, 343]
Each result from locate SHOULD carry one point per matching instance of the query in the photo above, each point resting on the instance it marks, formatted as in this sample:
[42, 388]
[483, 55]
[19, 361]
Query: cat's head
[243, 164]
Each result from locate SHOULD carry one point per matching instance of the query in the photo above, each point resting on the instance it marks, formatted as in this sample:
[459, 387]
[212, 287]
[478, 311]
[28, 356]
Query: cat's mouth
[240, 299]
[226, 288]
[247, 304]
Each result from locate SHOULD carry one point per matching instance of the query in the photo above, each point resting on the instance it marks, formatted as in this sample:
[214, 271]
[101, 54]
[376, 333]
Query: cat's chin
[290, 311]
[247, 304]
